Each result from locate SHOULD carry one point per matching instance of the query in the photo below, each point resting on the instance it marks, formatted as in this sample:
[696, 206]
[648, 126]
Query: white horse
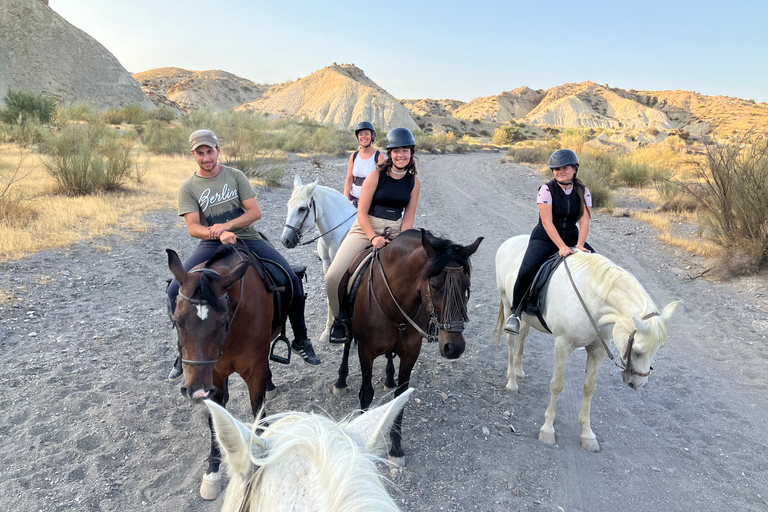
[306, 462]
[620, 306]
[326, 209]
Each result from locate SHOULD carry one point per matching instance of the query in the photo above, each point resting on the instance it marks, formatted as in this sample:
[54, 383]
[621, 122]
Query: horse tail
[499, 323]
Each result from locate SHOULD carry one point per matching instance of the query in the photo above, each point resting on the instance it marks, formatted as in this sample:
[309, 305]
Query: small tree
[21, 106]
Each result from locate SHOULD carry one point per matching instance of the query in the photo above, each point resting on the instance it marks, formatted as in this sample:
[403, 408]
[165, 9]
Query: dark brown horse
[419, 288]
[224, 320]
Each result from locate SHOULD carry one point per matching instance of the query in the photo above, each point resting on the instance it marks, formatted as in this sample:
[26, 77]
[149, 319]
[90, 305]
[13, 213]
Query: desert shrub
[731, 186]
[598, 186]
[652, 131]
[632, 174]
[475, 121]
[163, 138]
[508, 134]
[85, 159]
[130, 113]
[23, 106]
[674, 140]
[328, 140]
[538, 154]
[75, 112]
[14, 205]
[443, 142]
[735, 263]
[574, 139]
[485, 133]
[164, 114]
[25, 132]
[599, 163]
[470, 133]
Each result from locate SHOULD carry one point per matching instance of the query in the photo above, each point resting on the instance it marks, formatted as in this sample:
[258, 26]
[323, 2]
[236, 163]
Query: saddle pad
[360, 267]
[533, 303]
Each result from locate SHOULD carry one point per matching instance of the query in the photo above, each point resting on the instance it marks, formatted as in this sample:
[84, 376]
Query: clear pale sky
[446, 49]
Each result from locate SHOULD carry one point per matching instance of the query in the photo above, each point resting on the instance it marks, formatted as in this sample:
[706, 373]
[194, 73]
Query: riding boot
[512, 326]
[339, 331]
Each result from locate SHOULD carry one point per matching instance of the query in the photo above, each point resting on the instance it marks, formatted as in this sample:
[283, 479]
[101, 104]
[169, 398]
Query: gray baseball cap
[203, 138]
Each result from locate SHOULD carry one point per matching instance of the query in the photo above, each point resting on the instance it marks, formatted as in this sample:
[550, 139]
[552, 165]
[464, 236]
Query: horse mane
[204, 289]
[346, 475]
[445, 252]
[607, 276]
[301, 193]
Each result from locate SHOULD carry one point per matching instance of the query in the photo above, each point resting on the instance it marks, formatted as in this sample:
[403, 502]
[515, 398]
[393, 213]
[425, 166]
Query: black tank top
[566, 208]
[392, 194]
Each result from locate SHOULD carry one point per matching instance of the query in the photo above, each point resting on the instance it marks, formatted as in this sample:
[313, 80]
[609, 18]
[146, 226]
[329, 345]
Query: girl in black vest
[563, 203]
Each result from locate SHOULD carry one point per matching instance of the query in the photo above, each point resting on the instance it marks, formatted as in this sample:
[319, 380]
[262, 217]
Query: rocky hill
[214, 90]
[434, 108]
[41, 52]
[340, 95]
[503, 107]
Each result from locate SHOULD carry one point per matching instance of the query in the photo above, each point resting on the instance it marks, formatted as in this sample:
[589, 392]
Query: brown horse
[224, 320]
[418, 283]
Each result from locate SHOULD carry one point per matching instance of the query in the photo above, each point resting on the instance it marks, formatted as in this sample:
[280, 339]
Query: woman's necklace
[393, 171]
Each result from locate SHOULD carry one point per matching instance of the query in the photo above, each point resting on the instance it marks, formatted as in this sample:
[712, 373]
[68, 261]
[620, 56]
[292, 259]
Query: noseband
[298, 232]
[199, 302]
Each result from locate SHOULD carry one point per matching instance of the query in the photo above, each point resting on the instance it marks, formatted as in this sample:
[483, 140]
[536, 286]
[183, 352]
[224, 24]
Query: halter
[297, 229]
[434, 322]
[625, 366]
[199, 302]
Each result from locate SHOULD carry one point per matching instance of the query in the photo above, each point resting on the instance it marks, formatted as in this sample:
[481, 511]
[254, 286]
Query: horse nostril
[631, 384]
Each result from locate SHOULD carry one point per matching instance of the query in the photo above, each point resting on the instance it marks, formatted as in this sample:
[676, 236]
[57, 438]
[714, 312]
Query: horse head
[448, 280]
[305, 461]
[302, 213]
[642, 338]
[203, 320]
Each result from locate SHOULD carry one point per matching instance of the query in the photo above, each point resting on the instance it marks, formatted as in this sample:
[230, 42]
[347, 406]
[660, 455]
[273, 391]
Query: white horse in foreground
[327, 210]
[622, 309]
[306, 462]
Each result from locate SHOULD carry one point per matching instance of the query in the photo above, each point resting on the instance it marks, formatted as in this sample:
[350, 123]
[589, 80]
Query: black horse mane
[445, 252]
[204, 289]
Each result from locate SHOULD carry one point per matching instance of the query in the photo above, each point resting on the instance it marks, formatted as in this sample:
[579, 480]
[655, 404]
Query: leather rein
[431, 334]
[298, 232]
[199, 302]
[625, 366]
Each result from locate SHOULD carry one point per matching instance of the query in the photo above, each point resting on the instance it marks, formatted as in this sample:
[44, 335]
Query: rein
[434, 321]
[298, 232]
[199, 302]
[627, 367]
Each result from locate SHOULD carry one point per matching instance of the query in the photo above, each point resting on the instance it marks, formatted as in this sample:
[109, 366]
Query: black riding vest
[391, 196]
[566, 208]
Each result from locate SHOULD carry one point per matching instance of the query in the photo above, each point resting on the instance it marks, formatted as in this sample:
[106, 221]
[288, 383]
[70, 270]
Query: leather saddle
[533, 302]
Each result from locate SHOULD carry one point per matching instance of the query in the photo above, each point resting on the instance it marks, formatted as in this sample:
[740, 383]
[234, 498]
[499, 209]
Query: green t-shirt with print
[218, 199]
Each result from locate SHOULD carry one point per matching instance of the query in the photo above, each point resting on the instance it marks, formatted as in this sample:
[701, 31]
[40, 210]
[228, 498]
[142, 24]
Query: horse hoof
[547, 437]
[512, 387]
[211, 486]
[396, 462]
[590, 444]
[340, 391]
[325, 337]
[387, 389]
[520, 375]
[270, 394]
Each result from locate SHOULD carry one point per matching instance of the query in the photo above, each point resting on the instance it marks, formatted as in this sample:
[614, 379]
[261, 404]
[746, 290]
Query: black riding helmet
[365, 125]
[400, 138]
[563, 157]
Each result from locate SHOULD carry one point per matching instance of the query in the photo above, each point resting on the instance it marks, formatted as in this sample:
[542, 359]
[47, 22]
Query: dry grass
[658, 221]
[698, 246]
[58, 221]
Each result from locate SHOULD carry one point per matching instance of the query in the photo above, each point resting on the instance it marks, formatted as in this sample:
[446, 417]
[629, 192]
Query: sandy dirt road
[89, 423]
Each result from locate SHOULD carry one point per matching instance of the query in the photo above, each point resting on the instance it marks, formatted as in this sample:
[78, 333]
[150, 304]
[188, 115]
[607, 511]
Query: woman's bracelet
[374, 236]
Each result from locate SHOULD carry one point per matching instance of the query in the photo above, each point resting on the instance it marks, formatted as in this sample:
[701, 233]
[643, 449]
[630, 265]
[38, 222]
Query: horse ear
[296, 181]
[670, 309]
[469, 250]
[233, 436]
[640, 325]
[426, 243]
[235, 274]
[368, 429]
[174, 263]
[312, 186]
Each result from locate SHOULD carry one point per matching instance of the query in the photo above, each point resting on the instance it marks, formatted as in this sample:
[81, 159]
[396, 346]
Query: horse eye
[302, 209]
[637, 354]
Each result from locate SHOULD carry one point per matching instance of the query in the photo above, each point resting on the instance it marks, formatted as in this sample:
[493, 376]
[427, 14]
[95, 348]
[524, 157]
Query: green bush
[162, 138]
[538, 154]
[14, 205]
[508, 134]
[23, 106]
[632, 174]
[27, 131]
[75, 112]
[599, 188]
[131, 113]
[600, 163]
[164, 114]
[85, 159]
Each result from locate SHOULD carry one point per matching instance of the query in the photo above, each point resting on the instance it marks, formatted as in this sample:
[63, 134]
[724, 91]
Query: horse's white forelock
[607, 276]
[342, 476]
[301, 193]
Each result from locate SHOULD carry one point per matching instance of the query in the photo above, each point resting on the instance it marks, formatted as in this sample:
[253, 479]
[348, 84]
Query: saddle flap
[347, 288]
[533, 304]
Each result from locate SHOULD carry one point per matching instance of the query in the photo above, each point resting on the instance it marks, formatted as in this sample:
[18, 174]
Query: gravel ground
[90, 423]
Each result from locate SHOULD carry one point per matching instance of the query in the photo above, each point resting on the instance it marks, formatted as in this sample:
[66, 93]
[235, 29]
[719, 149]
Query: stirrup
[512, 326]
[339, 324]
[276, 357]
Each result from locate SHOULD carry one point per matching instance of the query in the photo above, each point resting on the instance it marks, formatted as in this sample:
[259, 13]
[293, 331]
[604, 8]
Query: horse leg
[271, 388]
[326, 336]
[366, 370]
[595, 356]
[340, 387]
[515, 343]
[524, 330]
[396, 454]
[389, 383]
[210, 488]
[562, 350]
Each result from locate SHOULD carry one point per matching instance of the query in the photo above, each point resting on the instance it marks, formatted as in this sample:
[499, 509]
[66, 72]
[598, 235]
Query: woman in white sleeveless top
[362, 161]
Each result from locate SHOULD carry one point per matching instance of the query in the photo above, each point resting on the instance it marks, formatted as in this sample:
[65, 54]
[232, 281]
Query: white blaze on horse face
[202, 311]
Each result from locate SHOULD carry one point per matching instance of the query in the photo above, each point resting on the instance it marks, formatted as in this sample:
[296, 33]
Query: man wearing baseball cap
[219, 207]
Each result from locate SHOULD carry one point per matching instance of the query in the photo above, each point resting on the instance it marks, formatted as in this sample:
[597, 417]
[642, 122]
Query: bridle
[625, 362]
[224, 296]
[297, 229]
[435, 323]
